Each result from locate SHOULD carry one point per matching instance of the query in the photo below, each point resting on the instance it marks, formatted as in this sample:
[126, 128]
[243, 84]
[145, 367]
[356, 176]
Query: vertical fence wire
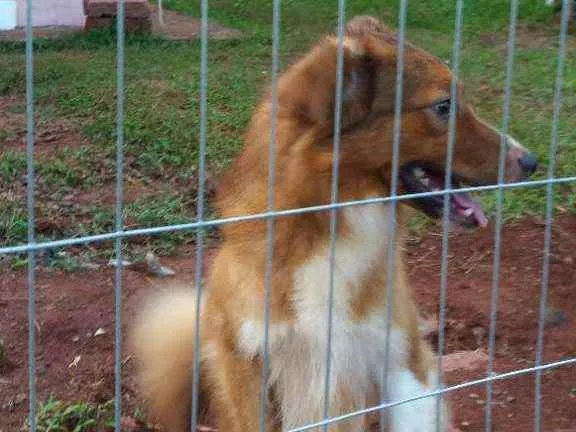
[447, 198]
[549, 214]
[498, 218]
[391, 252]
[31, 220]
[269, 270]
[119, 215]
[334, 199]
[199, 268]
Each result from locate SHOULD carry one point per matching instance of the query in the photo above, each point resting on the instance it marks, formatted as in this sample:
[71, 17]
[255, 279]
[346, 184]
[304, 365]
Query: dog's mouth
[423, 177]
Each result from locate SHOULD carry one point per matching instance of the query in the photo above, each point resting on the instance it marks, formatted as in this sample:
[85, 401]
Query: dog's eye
[442, 109]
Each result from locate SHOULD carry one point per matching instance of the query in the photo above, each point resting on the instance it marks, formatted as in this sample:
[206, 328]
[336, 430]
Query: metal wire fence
[201, 224]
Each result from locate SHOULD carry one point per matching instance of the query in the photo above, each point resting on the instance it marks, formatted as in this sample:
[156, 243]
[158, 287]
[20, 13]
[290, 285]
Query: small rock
[75, 362]
[465, 423]
[100, 332]
[464, 360]
[569, 260]
[76, 338]
[157, 269]
[510, 399]
[113, 263]
[510, 415]
[473, 395]
[480, 402]
[555, 317]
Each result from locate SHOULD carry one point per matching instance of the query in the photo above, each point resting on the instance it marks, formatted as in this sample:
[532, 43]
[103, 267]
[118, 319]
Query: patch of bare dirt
[468, 312]
[51, 136]
[71, 307]
[528, 37]
[180, 26]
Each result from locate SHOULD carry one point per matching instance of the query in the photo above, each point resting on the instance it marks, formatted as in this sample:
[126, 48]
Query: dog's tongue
[466, 205]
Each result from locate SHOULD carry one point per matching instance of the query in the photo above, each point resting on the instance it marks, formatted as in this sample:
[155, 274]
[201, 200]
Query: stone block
[131, 25]
[109, 8]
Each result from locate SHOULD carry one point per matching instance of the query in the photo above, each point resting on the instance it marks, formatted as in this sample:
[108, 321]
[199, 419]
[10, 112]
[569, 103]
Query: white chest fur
[298, 352]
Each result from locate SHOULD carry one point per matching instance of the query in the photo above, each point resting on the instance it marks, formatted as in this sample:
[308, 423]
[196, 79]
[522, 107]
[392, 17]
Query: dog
[233, 308]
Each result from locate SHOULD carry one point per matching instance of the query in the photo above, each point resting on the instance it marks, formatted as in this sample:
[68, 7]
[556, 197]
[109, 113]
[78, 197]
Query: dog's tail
[162, 339]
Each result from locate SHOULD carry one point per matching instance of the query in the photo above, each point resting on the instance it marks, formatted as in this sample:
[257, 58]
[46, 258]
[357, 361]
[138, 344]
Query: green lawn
[75, 85]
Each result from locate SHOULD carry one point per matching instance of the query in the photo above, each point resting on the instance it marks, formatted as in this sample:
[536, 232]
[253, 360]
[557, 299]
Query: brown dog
[233, 312]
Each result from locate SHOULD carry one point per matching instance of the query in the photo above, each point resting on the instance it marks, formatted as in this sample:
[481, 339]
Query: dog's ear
[308, 88]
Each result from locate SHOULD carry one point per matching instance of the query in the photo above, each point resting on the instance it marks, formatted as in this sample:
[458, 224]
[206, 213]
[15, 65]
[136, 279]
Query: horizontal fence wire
[450, 389]
[265, 215]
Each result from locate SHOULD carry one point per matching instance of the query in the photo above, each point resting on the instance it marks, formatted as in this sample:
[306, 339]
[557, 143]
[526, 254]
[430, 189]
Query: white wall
[52, 13]
[7, 14]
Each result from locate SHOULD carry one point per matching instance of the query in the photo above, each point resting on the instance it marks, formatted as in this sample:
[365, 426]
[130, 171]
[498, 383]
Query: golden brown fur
[231, 367]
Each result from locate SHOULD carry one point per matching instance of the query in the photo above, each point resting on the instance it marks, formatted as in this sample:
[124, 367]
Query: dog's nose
[528, 163]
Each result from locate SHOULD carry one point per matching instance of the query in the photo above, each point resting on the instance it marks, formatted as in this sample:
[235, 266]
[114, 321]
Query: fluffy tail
[163, 343]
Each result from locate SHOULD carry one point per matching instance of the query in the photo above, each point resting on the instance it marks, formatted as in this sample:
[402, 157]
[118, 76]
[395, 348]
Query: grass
[57, 416]
[75, 80]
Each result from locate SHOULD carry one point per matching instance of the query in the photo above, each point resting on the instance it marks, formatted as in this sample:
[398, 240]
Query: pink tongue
[464, 202]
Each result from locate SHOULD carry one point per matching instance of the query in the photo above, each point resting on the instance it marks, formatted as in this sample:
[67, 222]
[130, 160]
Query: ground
[70, 310]
[75, 81]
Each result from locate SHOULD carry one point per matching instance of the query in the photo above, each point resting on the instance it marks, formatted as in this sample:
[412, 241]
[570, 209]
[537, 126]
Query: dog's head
[370, 54]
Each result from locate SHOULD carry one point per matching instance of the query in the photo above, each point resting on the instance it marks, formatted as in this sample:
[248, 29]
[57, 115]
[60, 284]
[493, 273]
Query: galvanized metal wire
[498, 217]
[52, 244]
[31, 221]
[334, 200]
[391, 249]
[119, 216]
[549, 213]
[270, 221]
[447, 200]
[497, 377]
[200, 210]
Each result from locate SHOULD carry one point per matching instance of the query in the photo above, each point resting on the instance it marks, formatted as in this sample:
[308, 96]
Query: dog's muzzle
[521, 164]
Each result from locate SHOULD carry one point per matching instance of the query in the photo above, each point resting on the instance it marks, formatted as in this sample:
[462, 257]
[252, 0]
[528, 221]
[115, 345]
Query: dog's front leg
[235, 381]
[300, 392]
[406, 382]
